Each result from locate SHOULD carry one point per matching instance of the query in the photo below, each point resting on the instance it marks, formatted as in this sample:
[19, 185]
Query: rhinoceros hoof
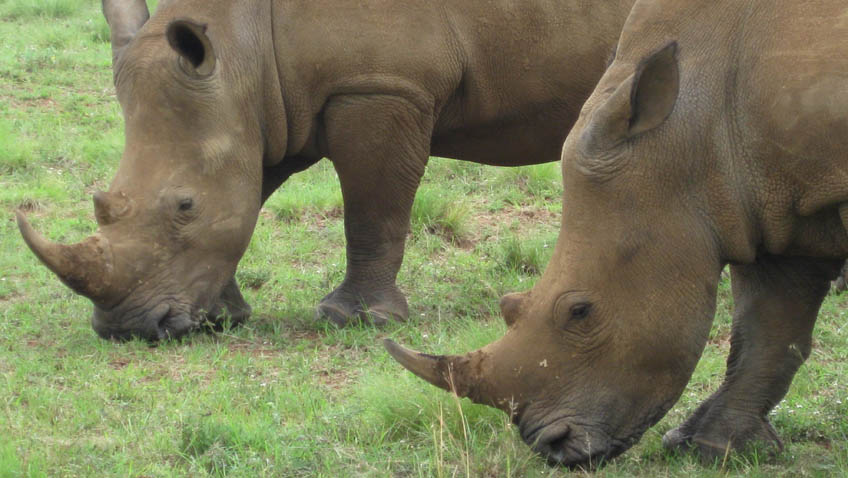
[230, 315]
[716, 442]
[342, 317]
[230, 309]
[678, 439]
[340, 308]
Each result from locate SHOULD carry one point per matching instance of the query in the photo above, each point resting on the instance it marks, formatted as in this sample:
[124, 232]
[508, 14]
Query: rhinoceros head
[605, 342]
[180, 211]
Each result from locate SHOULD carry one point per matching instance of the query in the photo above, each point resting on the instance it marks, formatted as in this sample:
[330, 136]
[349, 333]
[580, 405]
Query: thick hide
[717, 136]
[224, 100]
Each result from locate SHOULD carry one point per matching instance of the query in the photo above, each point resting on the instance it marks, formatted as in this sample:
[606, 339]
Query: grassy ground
[284, 395]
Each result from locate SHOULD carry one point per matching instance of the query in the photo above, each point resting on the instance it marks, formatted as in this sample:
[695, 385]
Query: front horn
[85, 267]
[454, 373]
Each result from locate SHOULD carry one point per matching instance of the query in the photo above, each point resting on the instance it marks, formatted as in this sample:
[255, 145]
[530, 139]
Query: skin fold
[717, 136]
[223, 101]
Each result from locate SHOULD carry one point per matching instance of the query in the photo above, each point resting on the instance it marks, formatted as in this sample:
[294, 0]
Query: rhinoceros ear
[189, 39]
[655, 87]
[641, 102]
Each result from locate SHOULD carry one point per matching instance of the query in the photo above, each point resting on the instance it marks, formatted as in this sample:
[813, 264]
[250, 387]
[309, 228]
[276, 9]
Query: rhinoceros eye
[571, 309]
[185, 204]
[580, 311]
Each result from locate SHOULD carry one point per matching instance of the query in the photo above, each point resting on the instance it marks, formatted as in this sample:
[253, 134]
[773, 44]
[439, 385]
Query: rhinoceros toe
[343, 307]
[677, 440]
[230, 307]
[715, 441]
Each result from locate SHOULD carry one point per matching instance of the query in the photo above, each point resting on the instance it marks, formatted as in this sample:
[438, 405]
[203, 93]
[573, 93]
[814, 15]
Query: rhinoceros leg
[841, 282]
[230, 306]
[379, 146]
[777, 302]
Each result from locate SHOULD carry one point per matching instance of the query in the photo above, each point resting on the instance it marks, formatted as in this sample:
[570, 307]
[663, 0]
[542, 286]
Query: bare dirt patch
[262, 350]
[33, 104]
[485, 223]
[119, 363]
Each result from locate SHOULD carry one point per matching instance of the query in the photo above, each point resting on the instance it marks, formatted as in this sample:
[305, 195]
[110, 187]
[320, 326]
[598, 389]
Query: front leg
[379, 146]
[230, 304]
[841, 282]
[777, 301]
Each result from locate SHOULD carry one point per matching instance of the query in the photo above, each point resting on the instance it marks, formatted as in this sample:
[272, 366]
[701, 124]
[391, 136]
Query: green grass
[35, 9]
[435, 212]
[284, 396]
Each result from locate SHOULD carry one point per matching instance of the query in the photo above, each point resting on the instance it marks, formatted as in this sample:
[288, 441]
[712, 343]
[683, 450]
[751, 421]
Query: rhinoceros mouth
[577, 442]
[577, 453]
[562, 442]
[166, 320]
[175, 324]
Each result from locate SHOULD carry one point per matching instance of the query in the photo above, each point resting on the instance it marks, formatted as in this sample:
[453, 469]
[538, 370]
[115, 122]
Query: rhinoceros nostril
[553, 442]
[173, 326]
[555, 449]
[158, 313]
[154, 318]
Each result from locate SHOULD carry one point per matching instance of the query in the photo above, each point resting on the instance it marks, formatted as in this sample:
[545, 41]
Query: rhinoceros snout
[174, 326]
[550, 441]
[563, 444]
[162, 322]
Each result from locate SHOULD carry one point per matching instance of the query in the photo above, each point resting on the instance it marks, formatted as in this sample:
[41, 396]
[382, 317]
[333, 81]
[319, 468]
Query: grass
[284, 395]
[435, 212]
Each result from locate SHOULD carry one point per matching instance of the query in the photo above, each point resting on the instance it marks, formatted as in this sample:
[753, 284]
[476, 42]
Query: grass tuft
[17, 152]
[252, 278]
[526, 256]
[447, 216]
[541, 181]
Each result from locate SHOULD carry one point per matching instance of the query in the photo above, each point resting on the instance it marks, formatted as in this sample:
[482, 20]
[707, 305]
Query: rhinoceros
[718, 135]
[224, 100]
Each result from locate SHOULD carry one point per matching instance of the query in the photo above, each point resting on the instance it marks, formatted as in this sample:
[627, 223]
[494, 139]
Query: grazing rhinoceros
[224, 100]
[719, 135]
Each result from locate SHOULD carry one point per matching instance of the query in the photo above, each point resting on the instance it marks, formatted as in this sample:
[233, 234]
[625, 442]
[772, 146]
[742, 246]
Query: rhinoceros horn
[125, 18]
[454, 373]
[85, 267]
[109, 207]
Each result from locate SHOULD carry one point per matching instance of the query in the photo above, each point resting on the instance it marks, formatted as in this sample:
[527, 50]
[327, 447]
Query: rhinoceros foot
[841, 283]
[713, 437]
[230, 307]
[345, 306]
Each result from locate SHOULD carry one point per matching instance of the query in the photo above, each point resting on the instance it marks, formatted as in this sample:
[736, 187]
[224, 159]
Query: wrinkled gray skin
[719, 135]
[223, 101]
